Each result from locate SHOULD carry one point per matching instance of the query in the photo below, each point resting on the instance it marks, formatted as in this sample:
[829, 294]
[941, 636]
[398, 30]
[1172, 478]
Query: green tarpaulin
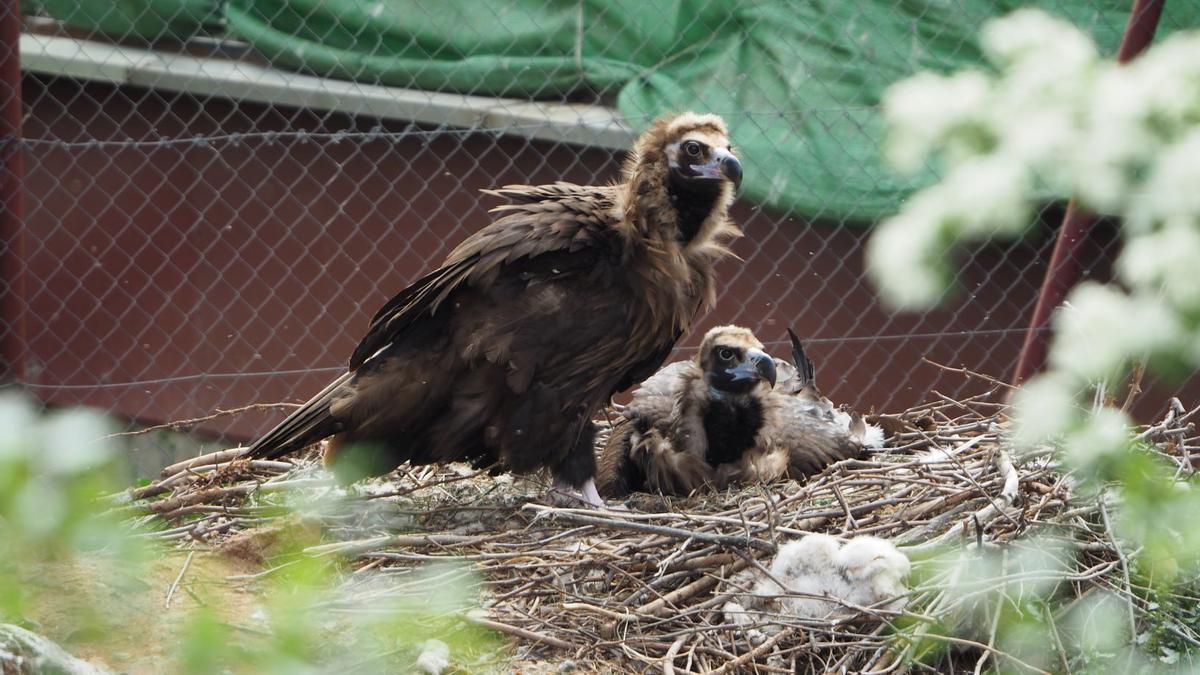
[797, 80]
[148, 19]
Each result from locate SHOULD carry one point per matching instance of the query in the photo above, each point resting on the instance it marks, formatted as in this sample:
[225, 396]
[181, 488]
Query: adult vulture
[502, 355]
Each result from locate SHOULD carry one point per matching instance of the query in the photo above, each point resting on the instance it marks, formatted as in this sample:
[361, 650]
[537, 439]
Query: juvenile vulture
[502, 355]
[732, 414]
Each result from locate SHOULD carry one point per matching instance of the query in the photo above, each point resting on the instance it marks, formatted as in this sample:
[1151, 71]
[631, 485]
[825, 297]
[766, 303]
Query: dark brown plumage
[696, 423]
[502, 355]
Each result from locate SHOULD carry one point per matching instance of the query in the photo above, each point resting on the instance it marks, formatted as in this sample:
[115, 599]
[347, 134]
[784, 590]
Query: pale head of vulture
[698, 152]
[684, 166]
[734, 362]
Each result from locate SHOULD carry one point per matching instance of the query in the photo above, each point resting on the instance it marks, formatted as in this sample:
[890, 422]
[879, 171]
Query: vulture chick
[502, 355]
[690, 418]
[815, 577]
[726, 417]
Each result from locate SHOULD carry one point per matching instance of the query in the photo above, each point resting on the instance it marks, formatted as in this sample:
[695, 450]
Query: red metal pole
[1065, 268]
[12, 291]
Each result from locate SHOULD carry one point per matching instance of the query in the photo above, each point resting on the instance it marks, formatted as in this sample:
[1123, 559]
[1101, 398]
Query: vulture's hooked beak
[722, 165]
[757, 366]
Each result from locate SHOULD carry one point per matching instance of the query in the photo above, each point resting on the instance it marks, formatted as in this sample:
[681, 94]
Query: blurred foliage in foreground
[1050, 120]
[65, 543]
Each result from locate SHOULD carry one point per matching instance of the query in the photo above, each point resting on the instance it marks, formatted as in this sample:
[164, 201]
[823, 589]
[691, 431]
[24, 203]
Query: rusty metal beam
[12, 319]
[1065, 268]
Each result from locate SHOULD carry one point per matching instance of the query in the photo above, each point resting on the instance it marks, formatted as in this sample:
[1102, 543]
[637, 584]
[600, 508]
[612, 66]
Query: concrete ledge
[92, 60]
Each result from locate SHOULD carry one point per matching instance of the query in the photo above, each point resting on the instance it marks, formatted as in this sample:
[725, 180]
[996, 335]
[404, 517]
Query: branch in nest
[1009, 473]
[731, 541]
[218, 457]
[1135, 384]
[735, 665]
[516, 631]
[180, 424]
[969, 374]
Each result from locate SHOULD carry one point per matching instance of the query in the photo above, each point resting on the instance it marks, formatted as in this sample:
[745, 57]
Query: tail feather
[808, 372]
[308, 424]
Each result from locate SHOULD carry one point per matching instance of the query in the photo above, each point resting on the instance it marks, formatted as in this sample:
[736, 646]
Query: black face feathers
[699, 175]
[695, 160]
[484, 359]
[734, 370]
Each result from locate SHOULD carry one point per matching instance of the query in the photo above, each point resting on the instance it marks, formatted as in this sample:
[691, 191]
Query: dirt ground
[140, 632]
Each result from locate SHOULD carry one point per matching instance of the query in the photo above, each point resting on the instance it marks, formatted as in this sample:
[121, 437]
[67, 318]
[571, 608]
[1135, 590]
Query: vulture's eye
[692, 148]
[725, 354]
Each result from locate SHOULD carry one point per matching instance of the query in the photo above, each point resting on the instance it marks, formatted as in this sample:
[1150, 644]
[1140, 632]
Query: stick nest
[644, 590]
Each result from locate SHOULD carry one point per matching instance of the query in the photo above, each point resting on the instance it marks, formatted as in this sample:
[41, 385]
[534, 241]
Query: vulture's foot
[586, 496]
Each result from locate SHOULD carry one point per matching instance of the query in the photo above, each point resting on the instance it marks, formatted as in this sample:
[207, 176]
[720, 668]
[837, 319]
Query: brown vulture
[503, 354]
[732, 414]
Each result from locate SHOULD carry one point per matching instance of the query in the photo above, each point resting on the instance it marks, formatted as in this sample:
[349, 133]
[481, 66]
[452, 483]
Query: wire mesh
[205, 227]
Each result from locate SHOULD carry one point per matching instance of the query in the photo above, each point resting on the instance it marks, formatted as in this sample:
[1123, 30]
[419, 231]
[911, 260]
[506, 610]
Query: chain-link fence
[217, 196]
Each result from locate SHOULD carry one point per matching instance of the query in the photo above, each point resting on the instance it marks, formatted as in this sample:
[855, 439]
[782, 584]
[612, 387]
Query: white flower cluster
[1054, 119]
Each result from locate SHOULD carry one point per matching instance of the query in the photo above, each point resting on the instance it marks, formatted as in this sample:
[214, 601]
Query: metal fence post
[1065, 270]
[11, 171]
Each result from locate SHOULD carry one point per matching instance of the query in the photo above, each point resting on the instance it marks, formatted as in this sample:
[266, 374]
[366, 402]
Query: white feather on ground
[870, 435]
[816, 578]
[936, 456]
[434, 657]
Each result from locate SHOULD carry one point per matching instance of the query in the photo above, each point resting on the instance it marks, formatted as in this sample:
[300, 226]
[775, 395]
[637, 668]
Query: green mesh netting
[797, 80]
[147, 19]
